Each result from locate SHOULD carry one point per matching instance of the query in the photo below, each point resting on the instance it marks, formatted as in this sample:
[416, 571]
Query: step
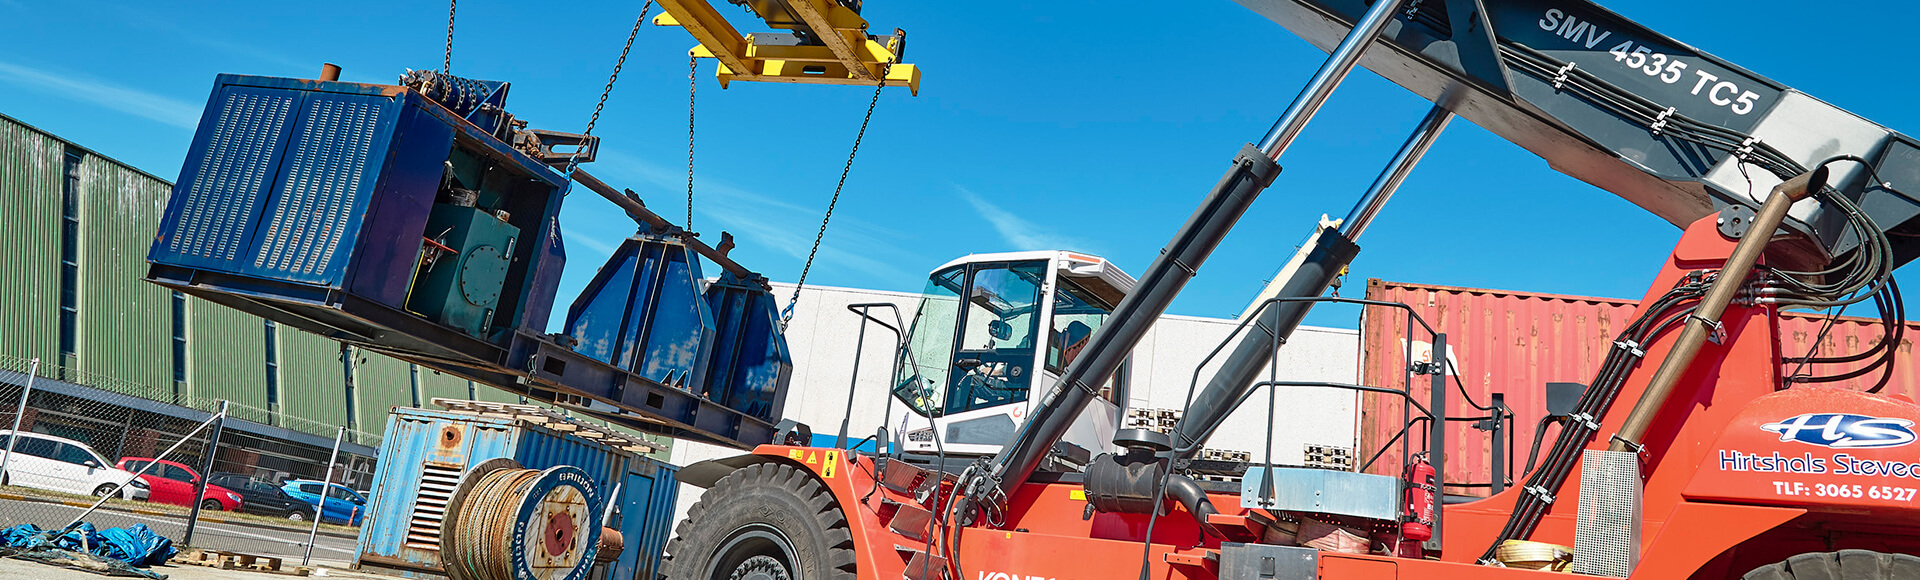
[911, 521]
[921, 565]
[902, 477]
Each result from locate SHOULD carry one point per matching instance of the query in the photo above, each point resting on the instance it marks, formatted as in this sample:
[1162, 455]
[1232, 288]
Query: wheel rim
[210, 505]
[754, 552]
[295, 516]
[102, 491]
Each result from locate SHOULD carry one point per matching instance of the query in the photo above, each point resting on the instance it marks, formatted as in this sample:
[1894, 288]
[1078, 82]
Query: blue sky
[1073, 125]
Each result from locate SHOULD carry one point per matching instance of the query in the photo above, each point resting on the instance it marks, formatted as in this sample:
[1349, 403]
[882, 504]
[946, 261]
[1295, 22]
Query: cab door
[972, 352]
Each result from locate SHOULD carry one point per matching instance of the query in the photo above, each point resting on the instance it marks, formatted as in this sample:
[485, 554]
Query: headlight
[233, 496]
[136, 483]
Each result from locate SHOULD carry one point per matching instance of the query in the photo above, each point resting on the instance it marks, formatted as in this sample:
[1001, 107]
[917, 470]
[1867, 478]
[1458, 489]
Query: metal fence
[243, 480]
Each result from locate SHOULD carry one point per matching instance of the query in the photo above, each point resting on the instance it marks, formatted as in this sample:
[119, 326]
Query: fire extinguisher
[1421, 492]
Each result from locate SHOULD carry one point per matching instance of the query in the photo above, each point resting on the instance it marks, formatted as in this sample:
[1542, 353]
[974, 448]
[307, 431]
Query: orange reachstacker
[1700, 450]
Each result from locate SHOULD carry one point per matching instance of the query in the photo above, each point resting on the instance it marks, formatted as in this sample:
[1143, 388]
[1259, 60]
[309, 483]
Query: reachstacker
[1003, 460]
[1723, 464]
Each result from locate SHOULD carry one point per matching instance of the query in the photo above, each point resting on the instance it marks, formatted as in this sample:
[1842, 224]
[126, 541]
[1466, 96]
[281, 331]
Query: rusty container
[1514, 343]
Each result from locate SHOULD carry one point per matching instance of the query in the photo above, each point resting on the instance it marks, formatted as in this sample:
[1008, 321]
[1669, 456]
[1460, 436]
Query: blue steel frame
[219, 237]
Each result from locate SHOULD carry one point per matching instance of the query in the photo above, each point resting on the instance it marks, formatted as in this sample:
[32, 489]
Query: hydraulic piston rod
[1309, 274]
[1253, 170]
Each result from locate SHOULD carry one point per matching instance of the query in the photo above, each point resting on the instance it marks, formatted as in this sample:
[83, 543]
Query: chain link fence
[246, 481]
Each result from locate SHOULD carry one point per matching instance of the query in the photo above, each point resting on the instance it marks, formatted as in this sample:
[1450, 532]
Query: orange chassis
[1703, 515]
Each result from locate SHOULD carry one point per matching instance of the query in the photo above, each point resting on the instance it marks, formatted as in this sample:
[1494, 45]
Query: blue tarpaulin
[134, 547]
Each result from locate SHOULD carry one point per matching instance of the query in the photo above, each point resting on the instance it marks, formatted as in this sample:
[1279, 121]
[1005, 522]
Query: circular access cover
[482, 274]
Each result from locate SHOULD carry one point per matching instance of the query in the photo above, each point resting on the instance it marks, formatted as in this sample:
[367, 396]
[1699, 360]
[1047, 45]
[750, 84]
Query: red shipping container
[1514, 343]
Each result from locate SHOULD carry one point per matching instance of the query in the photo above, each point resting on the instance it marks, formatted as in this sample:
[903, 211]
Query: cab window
[923, 375]
[313, 488]
[1077, 313]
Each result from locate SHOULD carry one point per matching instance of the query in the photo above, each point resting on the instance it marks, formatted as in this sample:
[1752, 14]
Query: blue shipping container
[426, 451]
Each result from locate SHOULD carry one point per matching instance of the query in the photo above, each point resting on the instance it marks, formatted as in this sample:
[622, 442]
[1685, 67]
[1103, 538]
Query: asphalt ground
[329, 549]
[12, 569]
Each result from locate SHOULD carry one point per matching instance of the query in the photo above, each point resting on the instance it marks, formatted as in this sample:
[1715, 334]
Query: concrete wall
[823, 337]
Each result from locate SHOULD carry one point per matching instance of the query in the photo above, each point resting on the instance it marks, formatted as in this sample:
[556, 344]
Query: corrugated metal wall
[436, 384]
[125, 328]
[228, 350]
[313, 385]
[1514, 343]
[125, 325]
[31, 165]
[380, 383]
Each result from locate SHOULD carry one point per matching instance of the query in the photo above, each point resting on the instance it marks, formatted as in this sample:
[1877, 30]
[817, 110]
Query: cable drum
[509, 523]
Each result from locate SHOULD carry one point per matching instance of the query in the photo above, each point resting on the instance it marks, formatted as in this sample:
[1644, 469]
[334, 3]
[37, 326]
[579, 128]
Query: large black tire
[767, 521]
[210, 505]
[1841, 565]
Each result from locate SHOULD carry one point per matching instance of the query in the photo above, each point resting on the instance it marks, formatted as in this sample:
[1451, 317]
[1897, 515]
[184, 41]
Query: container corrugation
[380, 383]
[125, 325]
[228, 353]
[313, 382]
[397, 533]
[31, 167]
[1850, 335]
[1514, 343]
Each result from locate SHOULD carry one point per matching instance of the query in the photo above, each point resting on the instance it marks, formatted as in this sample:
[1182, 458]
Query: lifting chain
[446, 65]
[786, 315]
[574, 160]
[693, 66]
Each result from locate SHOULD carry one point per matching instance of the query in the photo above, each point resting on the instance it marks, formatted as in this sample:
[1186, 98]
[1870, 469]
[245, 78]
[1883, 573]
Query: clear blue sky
[1092, 126]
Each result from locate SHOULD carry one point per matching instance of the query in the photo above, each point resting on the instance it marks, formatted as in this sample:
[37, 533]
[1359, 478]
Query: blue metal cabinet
[426, 451]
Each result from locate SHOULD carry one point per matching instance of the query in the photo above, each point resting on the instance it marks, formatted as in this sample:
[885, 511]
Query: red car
[173, 483]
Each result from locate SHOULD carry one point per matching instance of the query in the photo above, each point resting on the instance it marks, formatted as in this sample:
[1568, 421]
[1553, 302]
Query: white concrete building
[823, 335]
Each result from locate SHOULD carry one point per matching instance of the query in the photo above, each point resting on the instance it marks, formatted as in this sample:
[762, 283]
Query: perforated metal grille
[1606, 540]
[323, 178]
[437, 481]
[230, 175]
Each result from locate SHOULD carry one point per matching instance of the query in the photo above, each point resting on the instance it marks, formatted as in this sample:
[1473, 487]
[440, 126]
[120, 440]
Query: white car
[52, 463]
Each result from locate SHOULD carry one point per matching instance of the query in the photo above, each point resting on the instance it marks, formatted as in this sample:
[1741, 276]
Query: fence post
[326, 487]
[18, 412]
[206, 473]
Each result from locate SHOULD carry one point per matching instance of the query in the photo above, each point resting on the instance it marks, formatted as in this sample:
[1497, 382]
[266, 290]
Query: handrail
[1185, 447]
[900, 346]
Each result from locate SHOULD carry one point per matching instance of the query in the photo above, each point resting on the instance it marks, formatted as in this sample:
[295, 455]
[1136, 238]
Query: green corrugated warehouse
[78, 228]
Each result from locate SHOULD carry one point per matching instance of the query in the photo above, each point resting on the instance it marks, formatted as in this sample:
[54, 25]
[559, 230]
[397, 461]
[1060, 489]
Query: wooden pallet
[552, 420]
[237, 561]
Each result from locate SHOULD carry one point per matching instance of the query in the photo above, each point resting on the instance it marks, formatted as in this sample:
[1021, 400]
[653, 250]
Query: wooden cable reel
[505, 522]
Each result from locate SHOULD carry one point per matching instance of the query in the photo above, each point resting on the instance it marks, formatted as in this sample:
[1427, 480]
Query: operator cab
[974, 368]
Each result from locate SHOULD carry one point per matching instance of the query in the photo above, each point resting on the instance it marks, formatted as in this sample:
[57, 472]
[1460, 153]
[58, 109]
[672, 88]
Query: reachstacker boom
[1726, 464]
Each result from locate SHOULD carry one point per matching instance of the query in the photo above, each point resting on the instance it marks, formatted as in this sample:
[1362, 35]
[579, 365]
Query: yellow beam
[712, 30]
[817, 14]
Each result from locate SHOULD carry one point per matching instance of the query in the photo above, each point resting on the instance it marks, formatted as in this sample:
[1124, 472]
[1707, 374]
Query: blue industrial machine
[421, 220]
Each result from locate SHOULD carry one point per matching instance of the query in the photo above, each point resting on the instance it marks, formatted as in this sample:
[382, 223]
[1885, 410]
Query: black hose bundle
[1541, 485]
